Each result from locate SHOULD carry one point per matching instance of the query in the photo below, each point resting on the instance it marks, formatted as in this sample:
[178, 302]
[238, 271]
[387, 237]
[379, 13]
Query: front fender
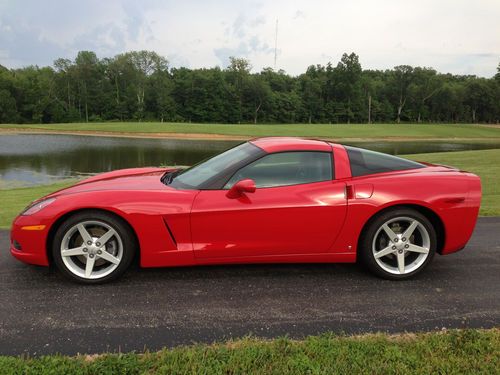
[160, 220]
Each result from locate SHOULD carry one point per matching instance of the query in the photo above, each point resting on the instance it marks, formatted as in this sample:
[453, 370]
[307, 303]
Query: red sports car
[269, 200]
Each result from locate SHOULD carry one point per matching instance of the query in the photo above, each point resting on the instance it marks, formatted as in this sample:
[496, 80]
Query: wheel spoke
[417, 249]
[72, 252]
[89, 266]
[389, 232]
[382, 253]
[91, 249]
[109, 257]
[401, 262]
[406, 245]
[106, 236]
[83, 232]
[409, 231]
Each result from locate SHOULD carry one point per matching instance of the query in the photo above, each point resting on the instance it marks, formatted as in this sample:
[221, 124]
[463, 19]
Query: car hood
[123, 179]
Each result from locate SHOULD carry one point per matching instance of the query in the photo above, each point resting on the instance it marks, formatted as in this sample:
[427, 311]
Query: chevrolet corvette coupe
[268, 200]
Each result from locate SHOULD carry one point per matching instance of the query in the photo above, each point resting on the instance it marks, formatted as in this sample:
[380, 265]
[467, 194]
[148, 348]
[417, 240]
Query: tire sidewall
[367, 237]
[123, 230]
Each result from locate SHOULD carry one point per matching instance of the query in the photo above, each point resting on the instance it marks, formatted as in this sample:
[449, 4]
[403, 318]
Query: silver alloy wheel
[91, 249]
[401, 245]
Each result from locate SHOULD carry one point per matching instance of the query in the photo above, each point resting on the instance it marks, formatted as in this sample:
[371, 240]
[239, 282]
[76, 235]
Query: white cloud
[457, 36]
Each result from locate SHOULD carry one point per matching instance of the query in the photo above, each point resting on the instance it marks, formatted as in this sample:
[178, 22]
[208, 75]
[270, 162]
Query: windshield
[200, 174]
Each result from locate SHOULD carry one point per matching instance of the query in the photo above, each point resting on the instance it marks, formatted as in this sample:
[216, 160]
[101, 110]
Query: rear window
[365, 162]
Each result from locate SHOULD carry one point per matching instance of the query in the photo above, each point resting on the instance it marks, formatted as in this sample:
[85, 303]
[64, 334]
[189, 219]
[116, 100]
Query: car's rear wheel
[398, 244]
[93, 247]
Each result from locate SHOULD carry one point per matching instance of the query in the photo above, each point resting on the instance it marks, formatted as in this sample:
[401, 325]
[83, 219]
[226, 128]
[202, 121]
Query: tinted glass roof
[277, 144]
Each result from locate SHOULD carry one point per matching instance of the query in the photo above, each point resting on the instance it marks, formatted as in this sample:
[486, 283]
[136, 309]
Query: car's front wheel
[93, 247]
[398, 244]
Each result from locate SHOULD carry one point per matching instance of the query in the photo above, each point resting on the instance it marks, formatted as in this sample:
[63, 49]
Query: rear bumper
[29, 245]
[460, 220]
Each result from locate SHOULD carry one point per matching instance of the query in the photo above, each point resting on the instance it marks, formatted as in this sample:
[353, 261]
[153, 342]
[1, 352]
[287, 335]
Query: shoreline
[179, 136]
[227, 137]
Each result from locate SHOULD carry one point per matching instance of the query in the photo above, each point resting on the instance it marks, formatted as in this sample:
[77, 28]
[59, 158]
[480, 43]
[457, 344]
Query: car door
[297, 208]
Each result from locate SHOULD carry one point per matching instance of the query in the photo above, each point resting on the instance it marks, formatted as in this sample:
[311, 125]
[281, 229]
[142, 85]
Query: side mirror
[243, 186]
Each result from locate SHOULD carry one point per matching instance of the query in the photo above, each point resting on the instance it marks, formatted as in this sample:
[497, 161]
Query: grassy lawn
[326, 131]
[485, 163]
[14, 200]
[452, 352]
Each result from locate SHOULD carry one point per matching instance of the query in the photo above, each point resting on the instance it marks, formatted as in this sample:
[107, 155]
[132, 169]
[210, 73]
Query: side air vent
[170, 232]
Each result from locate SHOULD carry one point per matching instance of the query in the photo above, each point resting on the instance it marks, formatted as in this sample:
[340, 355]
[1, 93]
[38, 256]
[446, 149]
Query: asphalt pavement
[43, 313]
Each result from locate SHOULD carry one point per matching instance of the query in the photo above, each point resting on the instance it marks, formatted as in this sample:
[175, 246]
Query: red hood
[123, 179]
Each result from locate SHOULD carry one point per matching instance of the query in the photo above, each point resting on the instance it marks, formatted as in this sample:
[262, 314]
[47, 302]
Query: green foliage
[140, 86]
[452, 352]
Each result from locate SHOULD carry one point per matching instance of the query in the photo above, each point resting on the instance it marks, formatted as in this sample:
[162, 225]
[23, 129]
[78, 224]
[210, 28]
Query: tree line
[141, 86]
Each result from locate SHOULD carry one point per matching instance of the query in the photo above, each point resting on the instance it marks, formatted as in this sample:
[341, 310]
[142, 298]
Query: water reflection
[39, 159]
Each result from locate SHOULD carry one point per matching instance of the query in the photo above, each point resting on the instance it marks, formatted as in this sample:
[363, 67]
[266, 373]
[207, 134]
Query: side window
[286, 168]
[364, 162]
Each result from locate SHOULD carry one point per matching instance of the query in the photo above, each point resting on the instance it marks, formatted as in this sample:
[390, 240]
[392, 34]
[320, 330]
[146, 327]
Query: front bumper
[28, 239]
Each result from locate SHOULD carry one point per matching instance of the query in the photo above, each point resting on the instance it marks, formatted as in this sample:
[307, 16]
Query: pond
[30, 159]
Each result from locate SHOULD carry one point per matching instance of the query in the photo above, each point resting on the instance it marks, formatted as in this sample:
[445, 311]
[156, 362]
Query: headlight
[35, 207]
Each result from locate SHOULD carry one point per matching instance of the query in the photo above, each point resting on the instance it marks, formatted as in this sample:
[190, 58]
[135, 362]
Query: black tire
[365, 251]
[127, 239]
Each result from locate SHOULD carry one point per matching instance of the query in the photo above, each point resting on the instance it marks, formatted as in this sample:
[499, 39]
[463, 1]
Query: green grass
[484, 163]
[14, 200]
[452, 352]
[425, 131]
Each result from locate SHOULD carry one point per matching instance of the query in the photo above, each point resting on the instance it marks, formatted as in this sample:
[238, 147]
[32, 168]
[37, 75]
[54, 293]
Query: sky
[452, 36]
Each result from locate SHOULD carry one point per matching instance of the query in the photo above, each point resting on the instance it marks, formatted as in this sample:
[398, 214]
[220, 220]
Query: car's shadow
[287, 274]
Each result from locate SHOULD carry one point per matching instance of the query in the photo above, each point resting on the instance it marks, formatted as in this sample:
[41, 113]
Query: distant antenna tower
[276, 44]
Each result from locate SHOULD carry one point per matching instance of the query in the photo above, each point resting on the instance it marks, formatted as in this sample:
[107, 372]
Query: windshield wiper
[168, 177]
